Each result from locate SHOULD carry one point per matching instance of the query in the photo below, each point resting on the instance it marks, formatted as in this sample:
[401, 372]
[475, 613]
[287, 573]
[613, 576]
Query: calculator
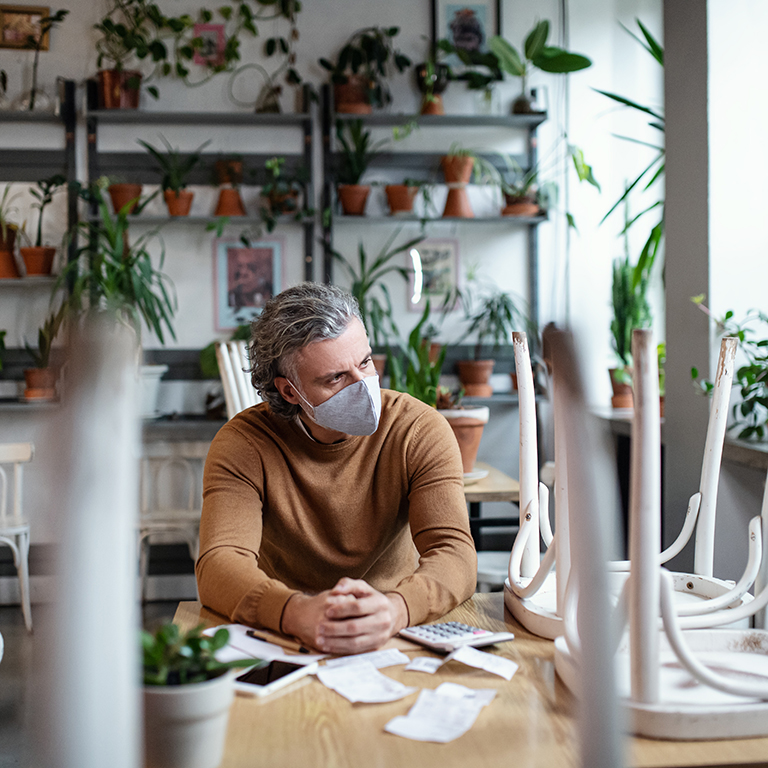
[451, 635]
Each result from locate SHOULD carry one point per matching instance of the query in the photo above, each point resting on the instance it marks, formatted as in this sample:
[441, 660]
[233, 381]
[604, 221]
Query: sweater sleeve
[447, 570]
[229, 579]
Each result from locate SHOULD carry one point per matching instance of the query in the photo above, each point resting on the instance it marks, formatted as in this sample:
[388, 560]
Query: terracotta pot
[400, 197]
[122, 194]
[622, 393]
[7, 243]
[467, 425]
[457, 170]
[433, 106]
[8, 266]
[520, 206]
[38, 260]
[179, 202]
[434, 351]
[283, 202]
[229, 172]
[40, 383]
[351, 98]
[513, 377]
[474, 376]
[379, 363]
[114, 91]
[230, 203]
[353, 198]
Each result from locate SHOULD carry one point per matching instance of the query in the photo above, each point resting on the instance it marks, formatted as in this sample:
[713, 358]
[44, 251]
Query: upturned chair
[14, 528]
[239, 393]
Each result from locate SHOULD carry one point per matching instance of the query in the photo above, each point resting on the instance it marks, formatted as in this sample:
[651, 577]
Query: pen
[288, 644]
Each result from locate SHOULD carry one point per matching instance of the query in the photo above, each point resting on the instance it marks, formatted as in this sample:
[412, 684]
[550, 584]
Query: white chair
[170, 498]
[239, 393]
[14, 528]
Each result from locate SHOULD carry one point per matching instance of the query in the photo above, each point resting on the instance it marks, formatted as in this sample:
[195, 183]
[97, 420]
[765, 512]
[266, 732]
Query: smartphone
[263, 680]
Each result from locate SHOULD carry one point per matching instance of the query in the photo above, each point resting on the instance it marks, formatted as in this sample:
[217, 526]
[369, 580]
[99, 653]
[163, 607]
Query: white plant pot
[185, 725]
[149, 389]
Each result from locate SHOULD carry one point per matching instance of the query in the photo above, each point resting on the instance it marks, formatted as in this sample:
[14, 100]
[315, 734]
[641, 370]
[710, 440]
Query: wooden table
[495, 487]
[529, 724]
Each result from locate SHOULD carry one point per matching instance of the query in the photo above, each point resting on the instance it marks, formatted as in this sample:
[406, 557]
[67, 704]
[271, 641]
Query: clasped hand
[350, 618]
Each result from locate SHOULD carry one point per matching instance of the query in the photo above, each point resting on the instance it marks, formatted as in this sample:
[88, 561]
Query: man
[332, 512]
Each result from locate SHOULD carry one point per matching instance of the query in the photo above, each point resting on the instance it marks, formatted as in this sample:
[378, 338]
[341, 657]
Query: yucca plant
[630, 308]
[45, 336]
[44, 196]
[369, 289]
[115, 275]
[358, 150]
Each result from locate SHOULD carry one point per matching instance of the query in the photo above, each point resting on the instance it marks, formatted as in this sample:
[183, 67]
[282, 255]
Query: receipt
[427, 664]
[441, 715]
[362, 682]
[379, 659]
[497, 665]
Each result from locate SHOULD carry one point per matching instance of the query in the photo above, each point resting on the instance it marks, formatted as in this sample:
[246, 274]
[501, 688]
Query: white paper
[379, 659]
[441, 715]
[427, 664]
[496, 665]
[362, 682]
[258, 649]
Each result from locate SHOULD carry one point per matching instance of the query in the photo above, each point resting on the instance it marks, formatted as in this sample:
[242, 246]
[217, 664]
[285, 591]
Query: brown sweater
[283, 513]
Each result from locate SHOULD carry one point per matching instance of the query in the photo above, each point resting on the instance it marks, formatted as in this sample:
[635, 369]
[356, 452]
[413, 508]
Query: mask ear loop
[311, 412]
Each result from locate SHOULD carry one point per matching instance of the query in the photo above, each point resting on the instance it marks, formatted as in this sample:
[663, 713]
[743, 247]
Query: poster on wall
[246, 277]
[213, 40]
[437, 275]
[20, 23]
[466, 25]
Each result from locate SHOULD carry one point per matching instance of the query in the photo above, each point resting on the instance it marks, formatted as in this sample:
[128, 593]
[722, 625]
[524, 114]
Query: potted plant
[368, 287]
[492, 315]
[536, 55]
[8, 232]
[187, 696]
[400, 197]
[360, 72]
[37, 99]
[432, 78]
[175, 168]
[357, 153]
[38, 258]
[229, 173]
[280, 194]
[419, 375]
[125, 196]
[460, 166]
[630, 310]
[41, 380]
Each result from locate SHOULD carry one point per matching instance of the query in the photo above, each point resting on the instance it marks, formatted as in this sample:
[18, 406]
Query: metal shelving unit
[138, 167]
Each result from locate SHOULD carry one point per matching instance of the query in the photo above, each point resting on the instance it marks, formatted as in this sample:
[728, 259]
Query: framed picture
[211, 53]
[20, 22]
[466, 25]
[245, 278]
[438, 274]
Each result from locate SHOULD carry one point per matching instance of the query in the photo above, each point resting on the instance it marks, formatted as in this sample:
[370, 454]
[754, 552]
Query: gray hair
[298, 316]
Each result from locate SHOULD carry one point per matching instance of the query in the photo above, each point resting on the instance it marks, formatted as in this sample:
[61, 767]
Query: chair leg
[22, 569]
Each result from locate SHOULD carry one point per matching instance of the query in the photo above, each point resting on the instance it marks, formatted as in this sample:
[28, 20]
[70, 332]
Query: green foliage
[45, 336]
[371, 53]
[209, 365]
[367, 277]
[35, 42]
[114, 275]
[173, 165]
[171, 657]
[7, 210]
[137, 31]
[630, 307]
[485, 68]
[357, 150]
[282, 192]
[751, 413]
[654, 171]
[416, 374]
[44, 196]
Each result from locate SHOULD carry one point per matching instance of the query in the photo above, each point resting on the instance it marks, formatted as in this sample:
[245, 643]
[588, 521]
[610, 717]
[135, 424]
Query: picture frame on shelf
[466, 25]
[438, 276]
[18, 22]
[245, 278]
[214, 39]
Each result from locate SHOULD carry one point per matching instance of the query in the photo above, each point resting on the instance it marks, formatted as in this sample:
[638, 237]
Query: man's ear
[287, 390]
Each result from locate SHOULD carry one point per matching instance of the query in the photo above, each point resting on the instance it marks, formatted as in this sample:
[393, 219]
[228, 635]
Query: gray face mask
[354, 410]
